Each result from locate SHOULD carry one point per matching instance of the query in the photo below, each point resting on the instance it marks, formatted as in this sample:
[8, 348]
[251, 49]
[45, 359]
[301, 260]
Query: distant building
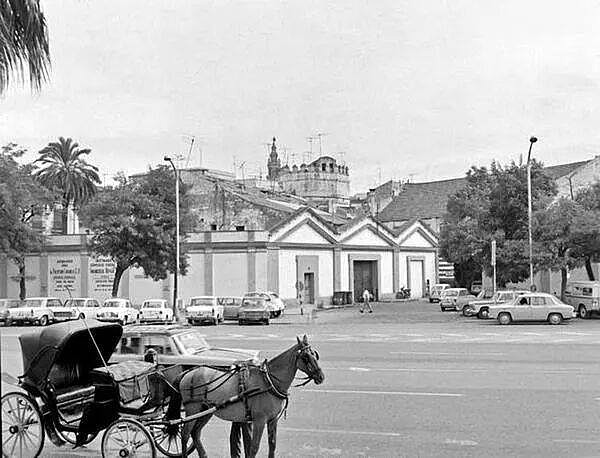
[323, 183]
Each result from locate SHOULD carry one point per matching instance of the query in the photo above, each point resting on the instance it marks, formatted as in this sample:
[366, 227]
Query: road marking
[397, 393]
[343, 431]
[463, 442]
[577, 441]
[436, 353]
[357, 369]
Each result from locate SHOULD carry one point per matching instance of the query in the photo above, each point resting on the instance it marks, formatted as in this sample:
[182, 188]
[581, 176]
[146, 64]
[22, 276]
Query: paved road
[409, 380]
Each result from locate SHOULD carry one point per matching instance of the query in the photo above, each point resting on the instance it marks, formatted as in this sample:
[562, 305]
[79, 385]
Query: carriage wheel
[126, 438]
[22, 430]
[168, 440]
[71, 437]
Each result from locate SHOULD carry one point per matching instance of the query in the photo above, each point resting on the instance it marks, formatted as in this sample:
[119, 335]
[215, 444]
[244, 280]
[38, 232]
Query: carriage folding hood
[88, 343]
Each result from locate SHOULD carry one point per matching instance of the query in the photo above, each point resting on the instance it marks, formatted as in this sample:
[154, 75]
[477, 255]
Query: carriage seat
[70, 392]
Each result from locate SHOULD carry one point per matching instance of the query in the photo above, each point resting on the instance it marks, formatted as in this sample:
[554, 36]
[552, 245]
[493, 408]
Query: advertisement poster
[64, 276]
[101, 276]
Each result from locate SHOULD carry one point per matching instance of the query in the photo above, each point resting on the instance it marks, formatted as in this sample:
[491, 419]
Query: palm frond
[24, 48]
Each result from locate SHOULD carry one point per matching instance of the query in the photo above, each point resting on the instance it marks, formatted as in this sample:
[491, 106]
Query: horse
[266, 387]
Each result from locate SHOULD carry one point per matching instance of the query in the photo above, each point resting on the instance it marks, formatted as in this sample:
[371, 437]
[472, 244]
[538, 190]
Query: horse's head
[308, 361]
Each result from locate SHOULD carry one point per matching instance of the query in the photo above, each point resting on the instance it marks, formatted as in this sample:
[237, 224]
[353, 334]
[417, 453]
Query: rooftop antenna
[320, 136]
[311, 139]
[379, 176]
[234, 168]
[192, 138]
[242, 167]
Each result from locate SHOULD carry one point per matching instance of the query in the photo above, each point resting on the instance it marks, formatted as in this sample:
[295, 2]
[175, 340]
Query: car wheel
[466, 310]
[240, 322]
[267, 322]
[82, 316]
[8, 322]
[555, 318]
[483, 314]
[583, 312]
[44, 320]
[504, 318]
[190, 322]
[443, 309]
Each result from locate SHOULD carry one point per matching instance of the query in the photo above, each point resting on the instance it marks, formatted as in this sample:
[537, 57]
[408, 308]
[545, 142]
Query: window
[94, 303]
[538, 301]
[161, 344]
[54, 303]
[240, 228]
[324, 167]
[523, 301]
[129, 346]
[586, 291]
[213, 227]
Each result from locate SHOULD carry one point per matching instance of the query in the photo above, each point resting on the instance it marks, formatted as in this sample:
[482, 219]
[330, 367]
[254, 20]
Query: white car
[118, 310]
[42, 311]
[204, 309]
[156, 311]
[86, 307]
[274, 303]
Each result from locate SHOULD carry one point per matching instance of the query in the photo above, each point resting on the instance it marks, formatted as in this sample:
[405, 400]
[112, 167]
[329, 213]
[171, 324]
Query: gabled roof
[557, 171]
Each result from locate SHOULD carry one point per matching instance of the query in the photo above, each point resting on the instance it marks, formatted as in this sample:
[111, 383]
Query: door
[416, 279]
[539, 308]
[522, 309]
[309, 288]
[365, 277]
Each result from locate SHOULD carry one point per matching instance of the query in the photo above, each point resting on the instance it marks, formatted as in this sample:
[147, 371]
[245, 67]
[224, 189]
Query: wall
[288, 273]
[580, 178]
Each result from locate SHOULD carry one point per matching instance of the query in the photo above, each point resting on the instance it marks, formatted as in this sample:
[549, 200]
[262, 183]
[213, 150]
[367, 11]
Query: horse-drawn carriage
[71, 395]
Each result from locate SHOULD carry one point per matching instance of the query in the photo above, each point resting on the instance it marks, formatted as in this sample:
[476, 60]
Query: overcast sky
[422, 88]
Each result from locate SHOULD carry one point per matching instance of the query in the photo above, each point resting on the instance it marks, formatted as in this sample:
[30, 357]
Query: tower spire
[273, 164]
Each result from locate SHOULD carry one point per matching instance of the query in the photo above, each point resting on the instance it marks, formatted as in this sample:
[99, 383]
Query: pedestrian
[366, 295]
[300, 302]
[239, 431]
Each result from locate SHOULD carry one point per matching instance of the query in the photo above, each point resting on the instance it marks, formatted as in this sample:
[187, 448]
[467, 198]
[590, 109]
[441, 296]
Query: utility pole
[532, 140]
[494, 263]
[177, 252]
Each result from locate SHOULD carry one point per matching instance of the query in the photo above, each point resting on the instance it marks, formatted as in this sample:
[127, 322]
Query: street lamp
[532, 140]
[176, 276]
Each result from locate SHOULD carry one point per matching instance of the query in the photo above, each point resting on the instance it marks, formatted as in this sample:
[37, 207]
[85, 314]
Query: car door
[521, 311]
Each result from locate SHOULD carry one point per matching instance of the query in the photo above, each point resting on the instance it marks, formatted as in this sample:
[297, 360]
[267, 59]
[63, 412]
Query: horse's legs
[247, 437]
[195, 429]
[258, 426]
[272, 430]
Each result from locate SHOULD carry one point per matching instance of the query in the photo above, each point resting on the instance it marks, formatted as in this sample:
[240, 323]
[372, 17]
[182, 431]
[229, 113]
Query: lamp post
[176, 273]
[532, 140]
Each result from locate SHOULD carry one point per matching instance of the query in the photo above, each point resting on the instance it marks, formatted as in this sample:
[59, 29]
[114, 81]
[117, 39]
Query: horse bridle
[302, 352]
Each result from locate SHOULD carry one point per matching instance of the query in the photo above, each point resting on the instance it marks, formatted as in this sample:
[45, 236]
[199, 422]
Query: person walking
[366, 295]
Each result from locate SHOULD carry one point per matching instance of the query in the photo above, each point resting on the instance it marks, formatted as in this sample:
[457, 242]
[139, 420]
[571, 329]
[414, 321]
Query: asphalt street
[411, 381]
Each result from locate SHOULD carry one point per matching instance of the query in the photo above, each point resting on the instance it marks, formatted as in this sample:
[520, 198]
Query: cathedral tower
[273, 164]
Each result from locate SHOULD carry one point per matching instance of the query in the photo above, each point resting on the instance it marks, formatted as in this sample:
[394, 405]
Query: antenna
[242, 167]
[320, 136]
[379, 175]
[311, 139]
[192, 139]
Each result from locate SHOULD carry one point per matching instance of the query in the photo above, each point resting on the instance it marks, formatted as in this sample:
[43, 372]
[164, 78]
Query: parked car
[85, 307]
[231, 306]
[5, 307]
[274, 303]
[436, 291]
[176, 344]
[156, 311]
[254, 310]
[204, 309]
[532, 307]
[118, 310]
[42, 311]
[480, 308]
[584, 297]
[455, 299]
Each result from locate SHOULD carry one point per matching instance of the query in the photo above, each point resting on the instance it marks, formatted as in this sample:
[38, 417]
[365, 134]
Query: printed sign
[101, 276]
[64, 275]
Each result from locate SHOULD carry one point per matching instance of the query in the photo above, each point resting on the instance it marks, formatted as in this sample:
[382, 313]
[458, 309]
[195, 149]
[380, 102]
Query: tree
[493, 206]
[23, 43]
[553, 235]
[134, 224]
[586, 232]
[65, 170]
[21, 199]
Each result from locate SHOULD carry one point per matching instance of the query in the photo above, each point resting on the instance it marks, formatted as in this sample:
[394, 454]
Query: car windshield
[75, 303]
[451, 293]
[438, 288]
[253, 302]
[201, 301]
[12, 303]
[113, 304]
[33, 302]
[152, 305]
[192, 342]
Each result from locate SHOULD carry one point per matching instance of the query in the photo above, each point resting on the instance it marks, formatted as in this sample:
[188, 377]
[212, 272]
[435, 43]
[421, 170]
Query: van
[584, 297]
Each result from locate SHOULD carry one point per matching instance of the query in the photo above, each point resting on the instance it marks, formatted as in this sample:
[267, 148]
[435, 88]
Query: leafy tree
[493, 206]
[553, 235]
[134, 223]
[586, 230]
[21, 199]
[65, 170]
[23, 43]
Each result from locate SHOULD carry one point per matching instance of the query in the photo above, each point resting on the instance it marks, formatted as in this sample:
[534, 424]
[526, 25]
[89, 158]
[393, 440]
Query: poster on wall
[101, 276]
[64, 276]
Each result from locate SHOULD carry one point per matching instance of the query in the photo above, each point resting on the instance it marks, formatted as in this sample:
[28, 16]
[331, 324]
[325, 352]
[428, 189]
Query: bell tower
[273, 164]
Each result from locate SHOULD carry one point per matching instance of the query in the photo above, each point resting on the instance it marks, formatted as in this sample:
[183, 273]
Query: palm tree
[24, 46]
[66, 171]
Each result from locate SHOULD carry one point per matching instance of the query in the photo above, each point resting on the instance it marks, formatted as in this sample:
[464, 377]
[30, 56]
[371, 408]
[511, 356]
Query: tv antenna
[242, 167]
[320, 136]
[310, 142]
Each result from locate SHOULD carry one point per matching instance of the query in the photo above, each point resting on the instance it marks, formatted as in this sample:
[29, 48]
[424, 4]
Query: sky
[405, 89]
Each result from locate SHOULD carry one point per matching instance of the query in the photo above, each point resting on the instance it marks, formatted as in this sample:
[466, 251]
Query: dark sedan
[176, 344]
